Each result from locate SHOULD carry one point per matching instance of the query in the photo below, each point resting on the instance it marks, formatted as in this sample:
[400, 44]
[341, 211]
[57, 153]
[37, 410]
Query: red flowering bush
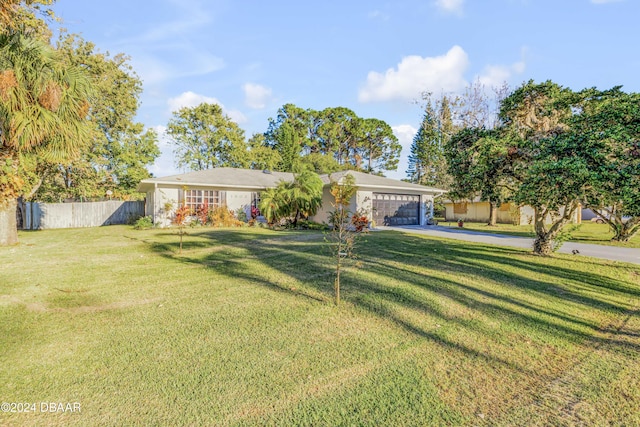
[360, 222]
[255, 212]
[203, 213]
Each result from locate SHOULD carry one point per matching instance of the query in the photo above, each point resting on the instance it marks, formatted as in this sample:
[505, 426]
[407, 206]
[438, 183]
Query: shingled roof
[249, 179]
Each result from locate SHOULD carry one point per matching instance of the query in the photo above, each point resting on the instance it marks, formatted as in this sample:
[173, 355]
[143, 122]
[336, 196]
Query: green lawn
[587, 232]
[240, 330]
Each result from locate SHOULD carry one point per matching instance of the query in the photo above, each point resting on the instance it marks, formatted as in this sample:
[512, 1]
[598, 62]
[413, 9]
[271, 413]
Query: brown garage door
[396, 209]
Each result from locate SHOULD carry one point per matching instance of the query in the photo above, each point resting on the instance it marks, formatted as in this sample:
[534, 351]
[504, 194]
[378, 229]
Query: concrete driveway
[613, 253]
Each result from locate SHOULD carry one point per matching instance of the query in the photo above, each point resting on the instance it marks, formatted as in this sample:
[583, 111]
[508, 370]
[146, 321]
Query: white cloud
[405, 134]
[161, 130]
[450, 6]
[256, 96]
[164, 164]
[190, 99]
[415, 74]
[496, 75]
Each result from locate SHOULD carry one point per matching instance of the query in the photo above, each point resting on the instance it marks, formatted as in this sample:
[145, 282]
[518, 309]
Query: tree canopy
[609, 123]
[207, 138]
[555, 149]
[44, 105]
[119, 150]
[334, 138]
[27, 17]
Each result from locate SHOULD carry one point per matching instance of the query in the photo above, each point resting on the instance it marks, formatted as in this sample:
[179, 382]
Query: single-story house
[477, 210]
[386, 201]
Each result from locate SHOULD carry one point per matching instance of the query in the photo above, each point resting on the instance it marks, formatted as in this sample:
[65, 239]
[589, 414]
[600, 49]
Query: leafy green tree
[288, 146]
[120, 149]
[379, 146]
[290, 134]
[261, 156]
[553, 164]
[609, 123]
[319, 163]
[340, 134]
[332, 139]
[27, 17]
[43, 113]
[207, 138]
[481, 163]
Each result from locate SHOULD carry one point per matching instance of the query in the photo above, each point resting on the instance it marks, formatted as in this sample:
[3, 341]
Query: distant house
[386, 201]
[477, 210]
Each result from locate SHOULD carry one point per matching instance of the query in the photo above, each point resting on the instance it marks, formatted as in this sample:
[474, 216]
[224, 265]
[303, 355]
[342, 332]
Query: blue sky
[375, 57]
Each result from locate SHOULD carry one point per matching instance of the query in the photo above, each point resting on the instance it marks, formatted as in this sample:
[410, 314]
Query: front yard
[240, 330]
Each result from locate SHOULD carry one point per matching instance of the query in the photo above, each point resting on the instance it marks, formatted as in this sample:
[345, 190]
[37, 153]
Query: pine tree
[427, 163]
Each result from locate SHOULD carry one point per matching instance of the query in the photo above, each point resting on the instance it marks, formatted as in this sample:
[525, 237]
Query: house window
[194, 199]
[460, 208]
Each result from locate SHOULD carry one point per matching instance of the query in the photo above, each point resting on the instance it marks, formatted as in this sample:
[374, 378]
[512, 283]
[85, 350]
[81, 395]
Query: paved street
[614, 253]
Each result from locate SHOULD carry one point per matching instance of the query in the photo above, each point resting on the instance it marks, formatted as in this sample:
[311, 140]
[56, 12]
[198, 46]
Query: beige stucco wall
[476, 212]
[160, 197]
[504, 214]
[364, 203]
[479, 212]
[323, 213]
[361, 200]
[239, 200]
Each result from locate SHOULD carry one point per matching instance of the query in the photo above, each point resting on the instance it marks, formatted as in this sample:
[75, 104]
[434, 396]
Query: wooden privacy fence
[41, 216]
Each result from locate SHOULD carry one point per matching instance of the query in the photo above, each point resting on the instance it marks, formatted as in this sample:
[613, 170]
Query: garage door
[396, 209]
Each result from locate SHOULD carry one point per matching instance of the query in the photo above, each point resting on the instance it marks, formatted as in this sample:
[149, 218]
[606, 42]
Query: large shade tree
[379, 148]
[206, 138]
[25, 16]
[331, 139]
[553, 162]
[481, 163]
[609, 123]
[120, 149]
[43, 113]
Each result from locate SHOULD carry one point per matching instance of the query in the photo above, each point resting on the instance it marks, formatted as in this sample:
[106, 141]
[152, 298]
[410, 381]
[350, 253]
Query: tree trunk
[624, 231]
[546, 237]
[336, 283]
[8, 225]
[543, 244]
[493, 213]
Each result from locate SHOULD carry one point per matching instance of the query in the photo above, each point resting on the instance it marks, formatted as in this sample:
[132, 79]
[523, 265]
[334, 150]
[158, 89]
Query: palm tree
[43, 112]
[295, 199]
[305, 195]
